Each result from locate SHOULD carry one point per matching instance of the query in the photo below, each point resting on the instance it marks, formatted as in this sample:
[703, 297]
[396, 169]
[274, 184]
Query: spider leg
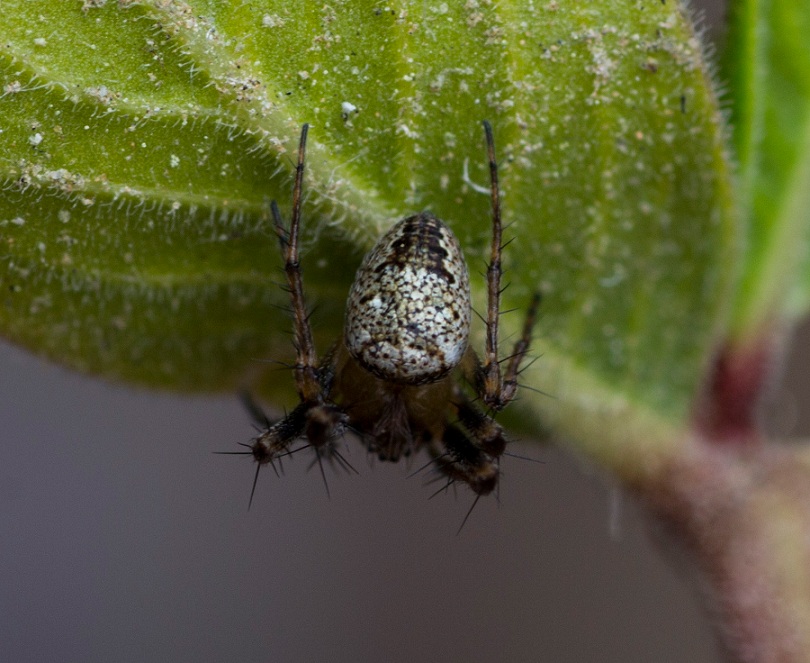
[255, 410]
[322, 421]
[490, 372]
[318, 423]
[306, 362]
[276, 440]
[497, 389]
[273, 443]
[462, 460]
[510, 383]
[314, 417]
[485, 431]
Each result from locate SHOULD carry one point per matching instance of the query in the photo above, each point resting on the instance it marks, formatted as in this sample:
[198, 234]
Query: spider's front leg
[314, 417]
[495, 388]
[307, 380]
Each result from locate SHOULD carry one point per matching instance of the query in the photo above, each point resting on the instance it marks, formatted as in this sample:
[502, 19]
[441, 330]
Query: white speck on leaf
[272, 21]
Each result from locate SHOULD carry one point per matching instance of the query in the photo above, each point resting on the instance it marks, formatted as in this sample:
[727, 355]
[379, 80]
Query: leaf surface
[767, 64]
[142, 143]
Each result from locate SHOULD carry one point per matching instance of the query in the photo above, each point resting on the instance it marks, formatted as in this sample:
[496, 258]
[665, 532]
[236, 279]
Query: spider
[394, 377]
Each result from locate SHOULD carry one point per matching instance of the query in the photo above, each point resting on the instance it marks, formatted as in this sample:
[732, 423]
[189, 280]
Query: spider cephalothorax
[393, 378]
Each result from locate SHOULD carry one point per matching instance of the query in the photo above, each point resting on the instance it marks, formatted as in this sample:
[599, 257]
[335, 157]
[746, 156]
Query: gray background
[126, 539]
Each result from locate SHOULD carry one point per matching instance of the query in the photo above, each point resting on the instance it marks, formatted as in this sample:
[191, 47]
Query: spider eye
[408, 312]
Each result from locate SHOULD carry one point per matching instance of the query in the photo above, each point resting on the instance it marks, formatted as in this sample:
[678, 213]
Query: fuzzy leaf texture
[142, 142]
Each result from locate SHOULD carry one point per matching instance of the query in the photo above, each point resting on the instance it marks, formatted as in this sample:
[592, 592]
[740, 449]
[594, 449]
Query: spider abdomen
[408, 312]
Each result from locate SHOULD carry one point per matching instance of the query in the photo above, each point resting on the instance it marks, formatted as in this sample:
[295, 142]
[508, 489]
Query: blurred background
[126, 539]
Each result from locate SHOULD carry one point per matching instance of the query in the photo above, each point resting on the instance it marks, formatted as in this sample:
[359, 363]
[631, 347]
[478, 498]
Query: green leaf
[768, 68]
[142, 142]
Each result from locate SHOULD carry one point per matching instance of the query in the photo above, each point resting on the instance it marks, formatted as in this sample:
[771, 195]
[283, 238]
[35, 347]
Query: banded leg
[274, 442]
[510, 384]
[320, 421]
[314, 418]
[459, 459]
[498, 389]
[485, 431]
[306, 362]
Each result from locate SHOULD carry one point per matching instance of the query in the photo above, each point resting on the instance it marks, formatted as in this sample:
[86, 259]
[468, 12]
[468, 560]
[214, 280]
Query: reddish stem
[729, 411]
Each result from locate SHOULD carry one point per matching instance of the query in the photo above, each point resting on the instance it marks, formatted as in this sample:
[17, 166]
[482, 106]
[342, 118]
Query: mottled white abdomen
[408, 313]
